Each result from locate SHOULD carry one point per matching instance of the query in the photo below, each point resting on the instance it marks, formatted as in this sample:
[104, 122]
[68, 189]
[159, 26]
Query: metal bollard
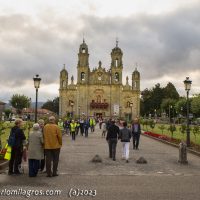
[182, 153]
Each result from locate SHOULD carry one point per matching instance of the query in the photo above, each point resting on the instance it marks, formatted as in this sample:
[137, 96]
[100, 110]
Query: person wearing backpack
[16, 140]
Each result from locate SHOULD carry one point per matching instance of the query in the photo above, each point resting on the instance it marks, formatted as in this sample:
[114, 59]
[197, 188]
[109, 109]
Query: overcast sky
[39, 36]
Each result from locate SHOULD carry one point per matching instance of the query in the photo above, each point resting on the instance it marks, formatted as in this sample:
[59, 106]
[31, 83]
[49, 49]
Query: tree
[152, 124]
[52, 105]
[162, 127]
[170, 92]
[19, 102]
[181, 106]
[166, 106]
[195, 131]
[172, 129]
[183, 128]
[195, 108]
[7, 112]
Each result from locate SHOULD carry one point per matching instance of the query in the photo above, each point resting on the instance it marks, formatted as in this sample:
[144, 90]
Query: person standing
[41, 124]
[86, 127]
[73, 130]
[104, 129]
[61, 126]
[136, 131]
[112, 136]
[125, 136]
[17, 148]
[92, 124]
[52, 145]
[35, 150]
[82, 126]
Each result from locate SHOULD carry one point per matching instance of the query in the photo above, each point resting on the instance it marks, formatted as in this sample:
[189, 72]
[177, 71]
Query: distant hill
[40, 104]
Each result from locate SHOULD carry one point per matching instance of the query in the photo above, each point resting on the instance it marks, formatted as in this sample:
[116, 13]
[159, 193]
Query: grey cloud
[161, 44]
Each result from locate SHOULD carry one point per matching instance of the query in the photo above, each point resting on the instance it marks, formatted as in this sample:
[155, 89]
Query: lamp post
[187, 84]
[79, 108]
[170, 106]
[131, 105]
[120, 111]
[36, 80]
[72, 104]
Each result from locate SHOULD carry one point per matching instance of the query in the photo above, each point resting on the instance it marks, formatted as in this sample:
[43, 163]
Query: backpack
[12, 139]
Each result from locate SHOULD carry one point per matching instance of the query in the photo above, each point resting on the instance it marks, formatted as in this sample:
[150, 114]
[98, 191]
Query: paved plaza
[161, 178]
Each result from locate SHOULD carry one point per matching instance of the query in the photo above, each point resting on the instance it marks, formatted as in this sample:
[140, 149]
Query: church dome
[136, 73]
[116, 50]
[83, 47]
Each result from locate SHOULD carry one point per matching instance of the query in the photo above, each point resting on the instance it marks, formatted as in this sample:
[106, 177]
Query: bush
[172, 129]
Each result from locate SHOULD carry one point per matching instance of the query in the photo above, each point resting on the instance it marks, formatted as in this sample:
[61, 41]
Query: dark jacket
[19, 137]
[113, 132]
[139, 129]
[125, 135]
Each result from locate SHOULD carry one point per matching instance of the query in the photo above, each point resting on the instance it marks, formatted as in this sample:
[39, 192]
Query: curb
[4, 164]
[174, 145]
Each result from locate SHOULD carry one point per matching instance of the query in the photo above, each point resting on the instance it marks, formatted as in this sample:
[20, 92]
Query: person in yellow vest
[73, 129]
[61, 126]
[92, 124]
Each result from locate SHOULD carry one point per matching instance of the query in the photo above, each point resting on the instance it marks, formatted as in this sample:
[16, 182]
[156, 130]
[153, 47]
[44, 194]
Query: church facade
[99, 92]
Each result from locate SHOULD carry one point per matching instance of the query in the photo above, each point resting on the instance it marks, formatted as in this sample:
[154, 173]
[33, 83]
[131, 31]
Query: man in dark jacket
[17, 148]
[125, 136]
[112, 136]
[136, 131]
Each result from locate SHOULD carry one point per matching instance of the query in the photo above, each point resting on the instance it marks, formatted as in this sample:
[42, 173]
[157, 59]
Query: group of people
[73, 127]
[44, 143]
[115, 133]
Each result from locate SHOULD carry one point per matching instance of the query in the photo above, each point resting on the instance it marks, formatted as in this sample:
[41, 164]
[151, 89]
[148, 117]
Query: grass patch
[177, 134]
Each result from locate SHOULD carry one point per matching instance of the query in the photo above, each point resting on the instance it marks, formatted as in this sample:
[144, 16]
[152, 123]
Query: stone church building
[99, 92]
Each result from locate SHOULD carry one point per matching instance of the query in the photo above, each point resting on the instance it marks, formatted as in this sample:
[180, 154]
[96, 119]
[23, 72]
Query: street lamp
[72, 104]
[170, 107]
[36, 80]
[120, 111]
[79, 111]
[188, 84]
[131, 105]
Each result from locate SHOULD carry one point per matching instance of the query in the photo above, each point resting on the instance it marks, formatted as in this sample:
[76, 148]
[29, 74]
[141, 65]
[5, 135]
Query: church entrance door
[99, 115]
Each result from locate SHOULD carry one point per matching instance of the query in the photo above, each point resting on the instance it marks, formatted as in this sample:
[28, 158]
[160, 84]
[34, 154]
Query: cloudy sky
[39, 36]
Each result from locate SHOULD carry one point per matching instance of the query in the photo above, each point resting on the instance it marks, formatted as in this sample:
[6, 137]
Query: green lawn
[177, 134]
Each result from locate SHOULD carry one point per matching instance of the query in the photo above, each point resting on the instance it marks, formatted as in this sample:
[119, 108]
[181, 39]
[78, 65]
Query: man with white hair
[52, 145]
[35, 150]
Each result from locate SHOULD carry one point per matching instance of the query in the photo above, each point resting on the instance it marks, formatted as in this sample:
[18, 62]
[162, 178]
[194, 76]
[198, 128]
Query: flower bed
[171, 140]
[163, 137]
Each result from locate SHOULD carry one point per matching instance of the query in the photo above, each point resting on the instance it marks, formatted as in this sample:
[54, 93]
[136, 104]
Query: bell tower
[63, 78]
[83, 64]
[116, 65]
[136, 80]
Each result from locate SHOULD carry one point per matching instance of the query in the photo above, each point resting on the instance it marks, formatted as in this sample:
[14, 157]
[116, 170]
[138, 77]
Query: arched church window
[82, 76]
[83, 50]
[98, 99]
[128, 104]
[116, 76]
[116, 62]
